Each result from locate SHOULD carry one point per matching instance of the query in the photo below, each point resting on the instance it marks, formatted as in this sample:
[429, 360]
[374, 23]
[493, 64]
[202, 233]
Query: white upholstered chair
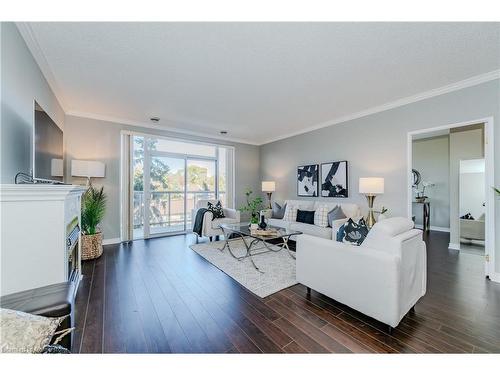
[211, 227]
[383, 278]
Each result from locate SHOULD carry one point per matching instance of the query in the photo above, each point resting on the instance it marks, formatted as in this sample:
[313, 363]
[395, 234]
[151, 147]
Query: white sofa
[472, 229]
[350, 210]
[383, 278]
[212, 227]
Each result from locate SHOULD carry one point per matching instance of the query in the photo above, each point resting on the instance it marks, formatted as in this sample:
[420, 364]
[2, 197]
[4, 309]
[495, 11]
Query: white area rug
[278, 269]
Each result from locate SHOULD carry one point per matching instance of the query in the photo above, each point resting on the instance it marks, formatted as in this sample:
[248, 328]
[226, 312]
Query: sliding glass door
[170, 177]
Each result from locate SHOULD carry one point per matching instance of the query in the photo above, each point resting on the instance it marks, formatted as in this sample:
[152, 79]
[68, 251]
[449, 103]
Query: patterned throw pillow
[321, 216]
[216, 210]
[290, 213]
[25, 333]
[353, 233]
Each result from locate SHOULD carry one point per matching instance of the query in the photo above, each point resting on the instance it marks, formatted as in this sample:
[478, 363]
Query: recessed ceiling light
[223, 132]
[155, 119]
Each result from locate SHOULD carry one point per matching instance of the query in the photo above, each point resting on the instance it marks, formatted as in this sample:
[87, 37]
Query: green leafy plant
[93, 208]
[254, 205]
[383, 210]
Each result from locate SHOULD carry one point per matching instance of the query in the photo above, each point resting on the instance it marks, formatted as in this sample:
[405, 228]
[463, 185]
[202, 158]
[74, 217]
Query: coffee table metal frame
[251, 245]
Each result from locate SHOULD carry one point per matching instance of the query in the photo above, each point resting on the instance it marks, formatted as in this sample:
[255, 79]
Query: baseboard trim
[111, 241]
[454, 246]
[439, 229]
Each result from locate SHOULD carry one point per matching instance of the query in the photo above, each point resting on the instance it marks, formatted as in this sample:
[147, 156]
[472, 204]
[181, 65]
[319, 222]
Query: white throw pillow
[290, 213]
[321, 216]
[21, 332]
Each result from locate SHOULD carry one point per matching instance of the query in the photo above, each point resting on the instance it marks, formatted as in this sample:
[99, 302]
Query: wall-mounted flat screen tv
[47, 147]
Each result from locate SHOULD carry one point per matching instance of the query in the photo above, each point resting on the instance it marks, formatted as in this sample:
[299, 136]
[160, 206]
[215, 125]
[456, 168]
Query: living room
[250, 187]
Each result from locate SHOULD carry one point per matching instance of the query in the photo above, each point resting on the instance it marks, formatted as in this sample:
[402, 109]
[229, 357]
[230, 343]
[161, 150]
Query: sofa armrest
[232, 213]
[366, 279]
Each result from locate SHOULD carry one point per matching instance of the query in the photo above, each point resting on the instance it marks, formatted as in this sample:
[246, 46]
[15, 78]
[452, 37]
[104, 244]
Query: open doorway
[450, 179]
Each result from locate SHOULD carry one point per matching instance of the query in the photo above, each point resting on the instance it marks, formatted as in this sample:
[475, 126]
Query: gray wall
[376, 145]
[22, 82]
[90, 139]
[431, 157]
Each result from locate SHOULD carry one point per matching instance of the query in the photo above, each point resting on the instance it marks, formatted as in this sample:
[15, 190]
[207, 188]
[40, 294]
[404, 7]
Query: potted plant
[382, 214]
[93, 208]
[420, 196]
[253, 206]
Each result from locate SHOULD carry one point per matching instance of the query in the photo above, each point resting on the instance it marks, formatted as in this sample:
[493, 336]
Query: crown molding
[472, 81]
[30, 39]
[33, 45]
[159, 126]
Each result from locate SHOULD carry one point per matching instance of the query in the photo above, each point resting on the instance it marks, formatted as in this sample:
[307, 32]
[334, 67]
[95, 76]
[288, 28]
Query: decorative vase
[254, 226]
[262, 224]
[420, 199]
[91, 246]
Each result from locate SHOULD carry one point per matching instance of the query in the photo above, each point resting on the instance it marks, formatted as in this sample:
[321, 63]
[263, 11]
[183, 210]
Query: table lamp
[86, 168]
[269, 187]
[371, 187]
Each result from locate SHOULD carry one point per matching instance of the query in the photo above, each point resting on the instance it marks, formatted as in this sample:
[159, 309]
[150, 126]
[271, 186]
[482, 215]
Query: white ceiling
[258, 81]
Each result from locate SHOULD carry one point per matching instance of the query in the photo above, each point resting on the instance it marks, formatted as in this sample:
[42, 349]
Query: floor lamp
[269, 187]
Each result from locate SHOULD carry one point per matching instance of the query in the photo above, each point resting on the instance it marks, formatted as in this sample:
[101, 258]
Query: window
[171, 176]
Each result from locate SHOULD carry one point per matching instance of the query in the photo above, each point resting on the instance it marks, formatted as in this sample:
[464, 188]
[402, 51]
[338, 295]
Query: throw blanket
[198, 221]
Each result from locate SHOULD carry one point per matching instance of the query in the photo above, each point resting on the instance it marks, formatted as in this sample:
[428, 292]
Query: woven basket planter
[91, 246]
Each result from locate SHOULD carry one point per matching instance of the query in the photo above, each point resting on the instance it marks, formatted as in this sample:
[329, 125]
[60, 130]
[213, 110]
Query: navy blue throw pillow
[306, 217]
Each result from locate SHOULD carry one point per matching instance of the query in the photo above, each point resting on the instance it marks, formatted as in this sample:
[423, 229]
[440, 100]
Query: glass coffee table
[255, 242]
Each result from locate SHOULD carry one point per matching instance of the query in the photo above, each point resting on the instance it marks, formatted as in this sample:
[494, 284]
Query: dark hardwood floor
[159, 296]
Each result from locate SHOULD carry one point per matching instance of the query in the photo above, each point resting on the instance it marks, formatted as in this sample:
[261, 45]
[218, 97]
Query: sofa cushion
[225, 220]
[335, 214]
[280, 223]
[392, 227]
[278, 211]
[312, 230]
[303, 205]
[349, 209]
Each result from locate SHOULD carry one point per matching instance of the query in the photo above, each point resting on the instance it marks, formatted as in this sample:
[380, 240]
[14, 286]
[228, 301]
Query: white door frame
[490, 181]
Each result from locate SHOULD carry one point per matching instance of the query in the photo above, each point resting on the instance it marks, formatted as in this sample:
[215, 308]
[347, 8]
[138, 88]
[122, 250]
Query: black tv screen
[48, 147]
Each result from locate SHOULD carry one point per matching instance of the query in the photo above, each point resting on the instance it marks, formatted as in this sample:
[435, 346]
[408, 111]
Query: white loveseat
[383, 278]
[212, 227]
[350, 210]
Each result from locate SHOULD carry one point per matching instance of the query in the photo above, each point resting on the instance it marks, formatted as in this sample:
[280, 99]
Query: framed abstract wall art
[334, 181]
[308, 180]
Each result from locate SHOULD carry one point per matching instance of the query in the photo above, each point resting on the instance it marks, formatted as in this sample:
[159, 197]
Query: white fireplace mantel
[35, 220]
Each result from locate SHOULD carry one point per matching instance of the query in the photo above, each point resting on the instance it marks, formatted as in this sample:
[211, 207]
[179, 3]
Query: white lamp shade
[371, 185]
[268, 186]
[56, 167]
[85, 168]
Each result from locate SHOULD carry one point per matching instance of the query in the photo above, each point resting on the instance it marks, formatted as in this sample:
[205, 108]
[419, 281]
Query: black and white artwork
[334, 179]
[307, 180]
